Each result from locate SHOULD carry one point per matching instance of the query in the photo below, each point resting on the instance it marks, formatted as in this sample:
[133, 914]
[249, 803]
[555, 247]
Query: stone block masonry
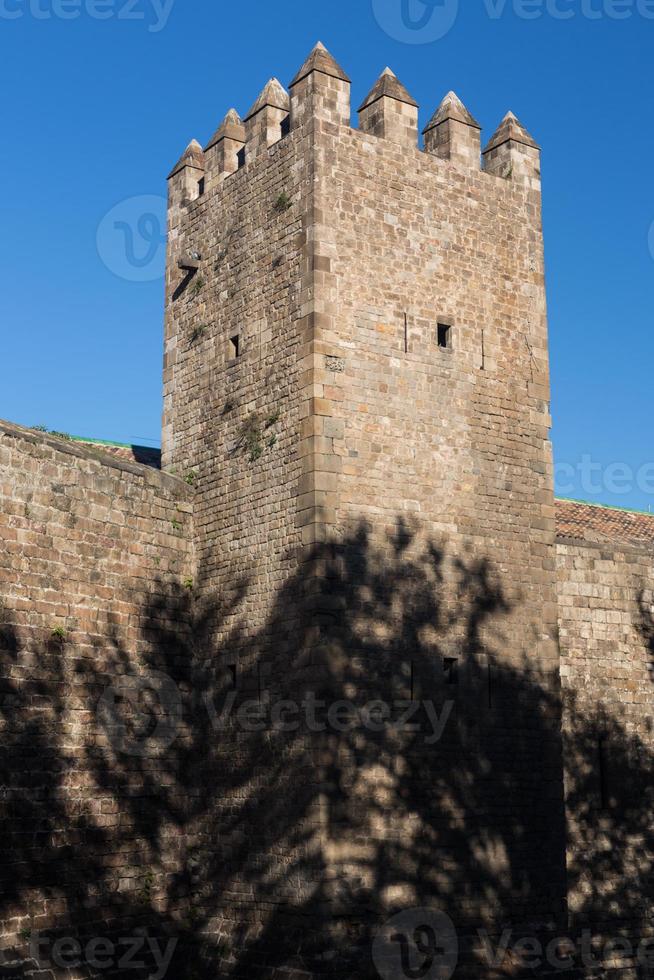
[94, 554]
[358, 372]
[352, 660]
[606, 616]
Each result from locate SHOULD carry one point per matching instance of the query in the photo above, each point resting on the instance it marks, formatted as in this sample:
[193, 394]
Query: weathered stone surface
[388, 86]
[451, 108]
[356, 411]
[230, 128]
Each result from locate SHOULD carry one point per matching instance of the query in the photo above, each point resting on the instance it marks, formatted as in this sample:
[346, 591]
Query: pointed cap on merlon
[320, 60]
[389, 85]
[275, 95]
[231, 128]
[451, 108]
[192, 156]
[511, 129]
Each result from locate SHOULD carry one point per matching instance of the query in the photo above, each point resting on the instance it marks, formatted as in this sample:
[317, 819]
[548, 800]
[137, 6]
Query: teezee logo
[417, 944]
[416, 21]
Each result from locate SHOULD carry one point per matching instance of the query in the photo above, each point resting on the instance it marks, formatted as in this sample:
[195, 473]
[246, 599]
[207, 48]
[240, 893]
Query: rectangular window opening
[451, 670]
[602, 773]
[201, 187]
[235, 346]
[240, 158]
[444, 336]
[285, 126]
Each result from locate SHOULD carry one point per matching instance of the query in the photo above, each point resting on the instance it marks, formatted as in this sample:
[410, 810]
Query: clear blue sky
[96, 111]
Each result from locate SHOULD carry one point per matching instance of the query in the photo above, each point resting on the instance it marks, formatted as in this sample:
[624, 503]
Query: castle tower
[356, 376]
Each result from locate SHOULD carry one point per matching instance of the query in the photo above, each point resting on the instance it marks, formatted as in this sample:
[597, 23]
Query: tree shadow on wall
[415, 790]
[645, 621]
[267, 798]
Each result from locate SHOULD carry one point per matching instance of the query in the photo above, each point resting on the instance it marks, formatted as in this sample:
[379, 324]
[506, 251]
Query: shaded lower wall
[311, 841]
[606, 616]
[95, 587]
[132, 811]
[322, 825]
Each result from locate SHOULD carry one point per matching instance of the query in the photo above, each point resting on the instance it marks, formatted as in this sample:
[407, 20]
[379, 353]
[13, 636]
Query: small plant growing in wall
[175, 524]
[147, 887]
[190, 478]
[58, 634]
[197, 286]
[188, 584]
[198, 333]
[283, 203]
[51, 432]
[252, 435]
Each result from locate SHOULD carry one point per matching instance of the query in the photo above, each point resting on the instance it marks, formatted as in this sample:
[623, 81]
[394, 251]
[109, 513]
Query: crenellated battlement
[319, 95]
[389, 111]
[295, 152]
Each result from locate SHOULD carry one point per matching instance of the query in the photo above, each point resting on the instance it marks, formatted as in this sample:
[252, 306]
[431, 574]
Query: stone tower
[356, 383]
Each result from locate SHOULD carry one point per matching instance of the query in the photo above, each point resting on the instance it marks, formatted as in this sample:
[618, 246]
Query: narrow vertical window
[602, 773]
[451, 670]
[235, 346]
[201, 187]
[285, 126]
[444, 336]
[240, 158]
